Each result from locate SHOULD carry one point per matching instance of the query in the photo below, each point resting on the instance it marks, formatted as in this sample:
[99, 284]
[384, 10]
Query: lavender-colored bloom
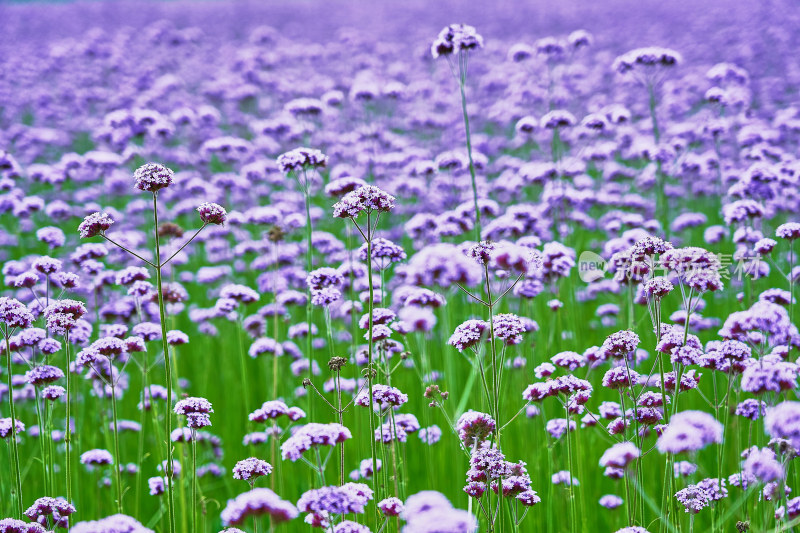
[468, 334]
[621, 343]
[43, 375]
[752, 409]
[96, 457]
[365, 468]
[255, 503]
[391, 506]
[95, 224]
[645, 59]
[382, 396]
[153, 177]
[684, 468]
[693, 498]
[509, 328]
[112, 524]
[312, 435]
[349, 498]
[789, 231]
[783, 421]
[763, 465]
[211, 213]
[10, 525]
[53, 392]
[430, 511]
[474, 427]
[430, 435]
[251, 468]
[301, 159]
[53, 511]
[365, 199]
[769, 376]
[14, 314]
[456, 38]
[620, 455]
[557, 427]
[52, 236]
[713, 488]
[348, 526]
[564, 478]
[265, 346]
[157, 485]
[193, 405]
[620, 378]
[689, 431]
[610, 501]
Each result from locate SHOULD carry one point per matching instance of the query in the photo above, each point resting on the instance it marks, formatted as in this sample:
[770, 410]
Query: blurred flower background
[294, 265]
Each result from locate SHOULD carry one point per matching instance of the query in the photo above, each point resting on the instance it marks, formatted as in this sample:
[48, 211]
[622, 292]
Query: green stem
[194, 479]
[309, 308]
[67, 430]
[462, 86]
[369, 365]
[573, 510]
[142, 423]
[14, 446]
[43, 442]
[117, 473]
[168, 370]
[243, 363]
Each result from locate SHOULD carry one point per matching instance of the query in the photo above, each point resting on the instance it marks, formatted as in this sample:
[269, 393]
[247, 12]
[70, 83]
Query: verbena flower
[620, 455]
[469, 334]
[365, 199]
[311, 435]
[689, 431]
[95, 224]
[251, 468]
[693, 498]
[211, 213]
[153, 177]
[455, 38]
[256, 503]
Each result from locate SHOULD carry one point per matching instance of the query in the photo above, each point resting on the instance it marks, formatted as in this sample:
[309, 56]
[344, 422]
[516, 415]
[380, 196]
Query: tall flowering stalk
[151, 178]
[13, 314]
[324, 285]
[196, 411]
[790, 232]
[505, 327]
[302, 164]
[372, 201]
[62, 316]
[647, 66]
[100, 357]
[455, 43]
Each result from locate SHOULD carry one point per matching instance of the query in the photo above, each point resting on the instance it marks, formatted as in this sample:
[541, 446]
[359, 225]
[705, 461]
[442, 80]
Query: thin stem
[117, 473]
[243, 363]
[309, 307]
[67, 429]
[184, 245]
[573, 510]
[194, 479]
[167, 369]
[462, 81]
[134, 254]
[472, 295]
[43, 441]
[341, 422]
[142, 423]
[369, 367]
[14, 446]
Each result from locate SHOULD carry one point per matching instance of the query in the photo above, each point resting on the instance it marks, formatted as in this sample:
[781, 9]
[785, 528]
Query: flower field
[361, 268]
